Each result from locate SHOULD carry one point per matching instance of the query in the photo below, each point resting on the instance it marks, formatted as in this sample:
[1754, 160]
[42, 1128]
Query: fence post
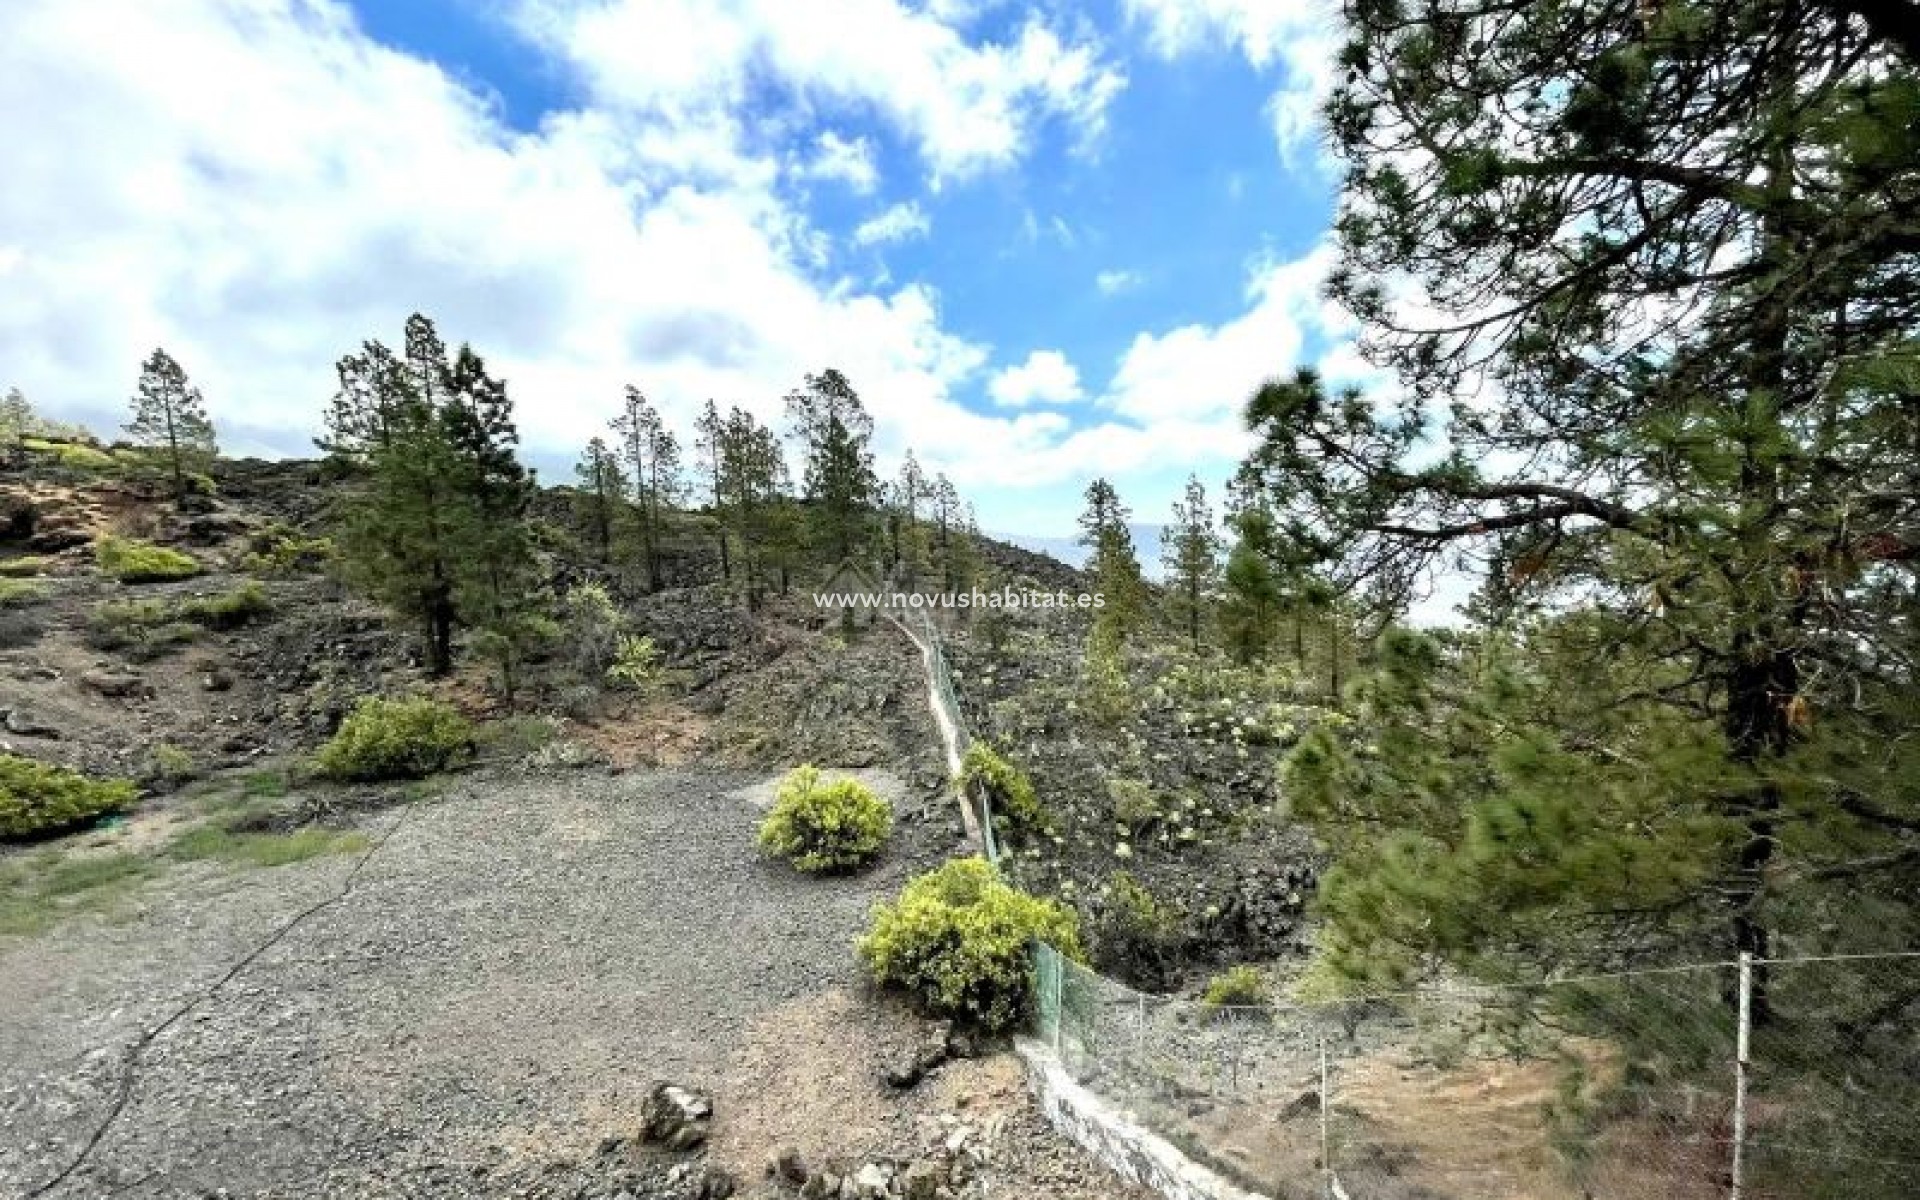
[1059, 974]
[1326, 1140]
[1740, 1077]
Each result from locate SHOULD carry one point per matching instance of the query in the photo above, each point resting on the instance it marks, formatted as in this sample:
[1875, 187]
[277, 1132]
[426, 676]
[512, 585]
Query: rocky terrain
[480, 1001]
[254, 983]
[1166, 827]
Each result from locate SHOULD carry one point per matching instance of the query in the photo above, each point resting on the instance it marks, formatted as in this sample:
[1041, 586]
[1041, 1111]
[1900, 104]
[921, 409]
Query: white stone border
[1114, 1137]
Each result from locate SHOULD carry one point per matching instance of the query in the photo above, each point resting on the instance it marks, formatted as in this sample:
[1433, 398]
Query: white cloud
[895, 224]
[1112, 283]
[1045, 378]
[259, 242]
[1207, 372]
[1299, 37]
[643, 238]
[966, 106]
[846, 161]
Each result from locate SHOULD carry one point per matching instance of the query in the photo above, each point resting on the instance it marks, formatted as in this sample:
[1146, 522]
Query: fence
[1775, 1079]
[1639, 1086]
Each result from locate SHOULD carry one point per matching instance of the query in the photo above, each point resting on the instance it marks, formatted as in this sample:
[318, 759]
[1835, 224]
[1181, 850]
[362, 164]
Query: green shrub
[169, 766]
[1138, 934]
[958, 940]
[132, 561]
[820, 824]
[1135, 808]
[36, 798]
[1237, 987]
[25, 566]
[279, 549]
[147, 629]
[73, 455]
[636, 666]
[18, 593]
[396, 739]
[225, 610]
[1016, 806]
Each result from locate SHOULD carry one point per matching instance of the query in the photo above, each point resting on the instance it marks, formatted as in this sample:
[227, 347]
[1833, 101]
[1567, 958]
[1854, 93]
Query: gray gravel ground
[492, 989]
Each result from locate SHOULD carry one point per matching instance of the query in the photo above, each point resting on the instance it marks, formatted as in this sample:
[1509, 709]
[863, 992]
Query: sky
[1046, 242]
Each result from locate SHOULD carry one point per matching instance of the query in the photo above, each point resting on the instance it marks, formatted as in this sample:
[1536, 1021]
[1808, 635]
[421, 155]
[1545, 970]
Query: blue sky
[1046, 243]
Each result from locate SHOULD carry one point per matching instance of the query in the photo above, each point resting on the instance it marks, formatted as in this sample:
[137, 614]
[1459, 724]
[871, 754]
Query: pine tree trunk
[438, 606]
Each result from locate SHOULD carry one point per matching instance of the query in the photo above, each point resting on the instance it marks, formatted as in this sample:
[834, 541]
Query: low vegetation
[37, 890]
[958, 940]
[1015, 805]
[280, 550]
[820, 824]
[18, 593]
[405, 738]
[38, 799]
[1237, 987]
[132, 561]
[25, 566]
[147, 629]
[225, 842]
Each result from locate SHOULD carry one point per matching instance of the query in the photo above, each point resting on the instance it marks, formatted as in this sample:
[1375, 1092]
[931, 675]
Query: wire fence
[1631, 1086]
[1771, 1079]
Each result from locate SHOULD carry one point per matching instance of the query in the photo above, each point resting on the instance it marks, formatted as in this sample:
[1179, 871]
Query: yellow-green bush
[18, 593]
[958, 940]
[396, 739]
[279, 549]
[1016, 806]
[132, 561]
[37, 798]
[225, 610]
[821, 824]
[24, 566]
[1237, 987]
[75, 456]
[147, 629]
[636, 664]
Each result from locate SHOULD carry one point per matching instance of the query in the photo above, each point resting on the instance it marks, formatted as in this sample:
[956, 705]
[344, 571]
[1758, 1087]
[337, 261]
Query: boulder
[22, 725]
[921, 1180]
[870, 1182]
[790, 1166]
[115, 683]
[716, 1183]
[675, 1117]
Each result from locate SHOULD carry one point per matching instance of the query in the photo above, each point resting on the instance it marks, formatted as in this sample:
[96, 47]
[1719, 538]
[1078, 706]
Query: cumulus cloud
[1112, 283]
[966, 105]
[844, 160]
[1299, 38]
[895, 224]
[260, 241]
[1208, 371]
[644, 237]
[1045, 378]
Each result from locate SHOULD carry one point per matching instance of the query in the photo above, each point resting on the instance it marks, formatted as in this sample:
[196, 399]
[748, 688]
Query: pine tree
[948, 514]
[905, 537]
[652, 461]
[1190, 552]
[170, 418]
[496, 590]
[1114, 563]
[754, 471]
[603, 494]
[1679, 238]
[16, 422]
[710, 454]
[839, 481]
[437, 524]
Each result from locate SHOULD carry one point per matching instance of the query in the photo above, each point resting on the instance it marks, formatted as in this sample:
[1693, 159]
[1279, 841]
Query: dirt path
[502, 981]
